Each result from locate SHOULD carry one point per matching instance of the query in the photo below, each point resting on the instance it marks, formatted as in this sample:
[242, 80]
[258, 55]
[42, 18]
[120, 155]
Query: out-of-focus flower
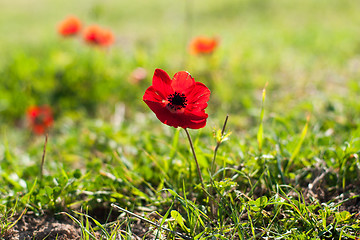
[97, 35]
[203, 45]
[138, 75]
[178, 102]
[69, 26]
[40, 118]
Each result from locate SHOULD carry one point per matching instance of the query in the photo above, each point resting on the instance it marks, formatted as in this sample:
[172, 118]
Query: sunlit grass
[289, 169]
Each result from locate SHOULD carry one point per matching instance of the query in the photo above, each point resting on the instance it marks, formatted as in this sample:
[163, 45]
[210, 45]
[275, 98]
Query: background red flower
[69, 26]
[203, 45]
[40, 118]
[178, 102]
[98, 36]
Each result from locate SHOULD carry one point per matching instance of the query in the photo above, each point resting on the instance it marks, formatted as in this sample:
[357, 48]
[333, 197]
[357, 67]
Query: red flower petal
[161, 112]
[195, 120]
[32, 112]
[203, 45]
[181, 81]
[198, 96]
[38, 129]
[162, 83]
[152, 95]
[184, 120]
[69, 26]
[96, 35]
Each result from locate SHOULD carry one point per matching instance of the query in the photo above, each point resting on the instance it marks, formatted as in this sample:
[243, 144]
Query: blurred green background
[307, 52]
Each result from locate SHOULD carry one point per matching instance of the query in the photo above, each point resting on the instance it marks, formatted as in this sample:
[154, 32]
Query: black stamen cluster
[39, 119]
[177, 101]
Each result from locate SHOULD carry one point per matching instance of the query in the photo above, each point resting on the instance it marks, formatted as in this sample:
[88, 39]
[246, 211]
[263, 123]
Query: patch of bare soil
[49, 227]
[348, 198]
[43, 227]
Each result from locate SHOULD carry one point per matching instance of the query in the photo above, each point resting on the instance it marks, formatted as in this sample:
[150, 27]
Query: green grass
[288, 167]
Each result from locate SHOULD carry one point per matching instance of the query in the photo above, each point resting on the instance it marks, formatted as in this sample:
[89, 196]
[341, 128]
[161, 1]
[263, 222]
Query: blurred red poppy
[98, 36]
[203, 45]
[40, 118]
[69, 26]
[178, 102]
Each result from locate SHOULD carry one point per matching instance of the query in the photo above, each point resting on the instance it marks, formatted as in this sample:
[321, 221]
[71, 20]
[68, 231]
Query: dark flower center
[177, 101]
[39, 119]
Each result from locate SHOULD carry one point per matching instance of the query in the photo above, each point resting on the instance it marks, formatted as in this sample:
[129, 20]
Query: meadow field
[278, 157]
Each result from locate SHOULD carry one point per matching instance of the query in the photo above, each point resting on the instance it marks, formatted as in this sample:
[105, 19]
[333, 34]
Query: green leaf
[166, 214]
[179, 219]
[258, 204]
[49, 191]
[342, 216]
[26, 197]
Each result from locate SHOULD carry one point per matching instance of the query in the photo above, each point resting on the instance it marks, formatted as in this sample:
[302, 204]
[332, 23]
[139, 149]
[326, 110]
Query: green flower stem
[43, 157]
[212, 171]
[213, 206]
[196, 161]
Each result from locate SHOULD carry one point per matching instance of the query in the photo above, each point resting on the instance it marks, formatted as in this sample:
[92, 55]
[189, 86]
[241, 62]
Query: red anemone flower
[40, 118]
[203, 45]
[69, 26]
[179, 102]
[98, 36]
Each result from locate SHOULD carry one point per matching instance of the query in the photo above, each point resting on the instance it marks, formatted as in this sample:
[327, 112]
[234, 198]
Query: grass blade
[302, 137]
[260, 132]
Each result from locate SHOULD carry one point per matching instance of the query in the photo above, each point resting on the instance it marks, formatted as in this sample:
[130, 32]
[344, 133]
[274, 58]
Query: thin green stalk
[219, 141]
[43, 157]
[196, 161]
[261, 130]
